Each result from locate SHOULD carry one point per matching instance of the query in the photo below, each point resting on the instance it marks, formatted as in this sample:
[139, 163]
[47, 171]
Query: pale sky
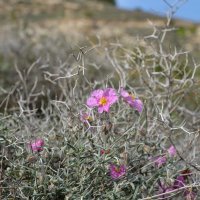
[189, 10]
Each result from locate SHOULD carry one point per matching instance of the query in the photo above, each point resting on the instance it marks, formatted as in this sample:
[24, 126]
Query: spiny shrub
[131, 134]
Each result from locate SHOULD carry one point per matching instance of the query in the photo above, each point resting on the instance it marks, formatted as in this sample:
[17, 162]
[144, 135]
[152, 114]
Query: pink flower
[102, 99]
[179, 182]
[163, 189]
[132, 100]
[172, 151]
[37, 145]
[85, 117]
[117, 172]
[160, 160]
[138, 105]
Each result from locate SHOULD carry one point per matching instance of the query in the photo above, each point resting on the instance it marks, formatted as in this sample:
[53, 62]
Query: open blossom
[172, 151]
[132, 100]
[102, 99]
[37, 145]
[117, 172]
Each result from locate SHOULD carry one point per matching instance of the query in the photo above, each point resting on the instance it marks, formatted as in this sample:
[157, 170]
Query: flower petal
[106, 107]
[130, 101]
[115, 174]
[37, 145]
[100, 109]
[138, 105]
[111, 95]
[124, 93]
[97, 93]
[39, 142]
[179, 182]
[160, 160]
[172, 151]
[110, 92]
[92, 102]
[112, 99]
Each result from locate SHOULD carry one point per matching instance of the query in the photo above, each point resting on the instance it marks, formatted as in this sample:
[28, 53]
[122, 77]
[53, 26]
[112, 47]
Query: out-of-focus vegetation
[25, 27]
[108, 1]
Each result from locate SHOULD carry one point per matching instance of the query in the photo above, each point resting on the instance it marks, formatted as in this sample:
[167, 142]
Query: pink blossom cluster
[104, 99]
[37, 145]
[117, 172]
[178, 183]
[161, 160]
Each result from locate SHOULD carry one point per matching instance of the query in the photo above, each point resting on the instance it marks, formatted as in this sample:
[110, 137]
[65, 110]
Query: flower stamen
[133, 97]
[117, 169]
[103, 101]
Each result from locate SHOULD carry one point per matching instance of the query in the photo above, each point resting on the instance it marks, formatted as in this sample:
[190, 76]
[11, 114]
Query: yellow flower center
[133, 97]
[103, 101]
[117, 169]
